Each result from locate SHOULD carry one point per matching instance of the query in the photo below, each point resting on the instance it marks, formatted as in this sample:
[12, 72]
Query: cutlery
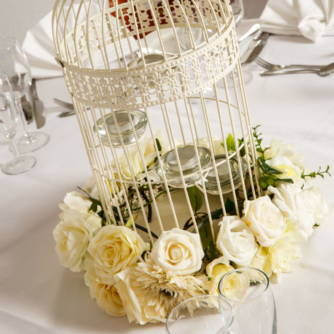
[64, 104]
[27, 110]
[251, 31]
[38, 106]
[66, 114]
[255, 47]
[273, 67]
[308, 70]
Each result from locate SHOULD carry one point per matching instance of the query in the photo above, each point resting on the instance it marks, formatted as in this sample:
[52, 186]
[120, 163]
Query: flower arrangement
[129, 277]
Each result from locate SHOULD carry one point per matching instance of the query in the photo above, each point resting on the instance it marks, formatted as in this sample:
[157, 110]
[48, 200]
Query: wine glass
[8, 121]
[199, 315]
[187, 38]
[238, 15]
[249, 293]
[14, 63]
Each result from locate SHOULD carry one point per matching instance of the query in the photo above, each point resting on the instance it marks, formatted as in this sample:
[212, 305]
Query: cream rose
[108, 299]
[215, 271]
[264, 219]
[236, 240]
[179, 252]
[113, 249]
[235, 285]
[72, 237]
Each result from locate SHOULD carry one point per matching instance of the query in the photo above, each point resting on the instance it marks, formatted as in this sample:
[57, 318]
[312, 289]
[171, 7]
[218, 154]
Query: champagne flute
[14, 63]
[8, 121]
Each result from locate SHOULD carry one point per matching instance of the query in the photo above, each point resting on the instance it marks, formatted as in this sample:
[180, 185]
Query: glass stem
[14, 148]
[27, 133]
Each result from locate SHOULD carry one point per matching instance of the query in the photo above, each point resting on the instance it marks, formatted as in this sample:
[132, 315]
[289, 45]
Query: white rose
[72, 237]
[91, 187]
[306, 207]
[179, 252]
[113, 249]
[315, 199]
[236, 240]
[108, 299]
[264, 219]
[284, 251]
[76, 201]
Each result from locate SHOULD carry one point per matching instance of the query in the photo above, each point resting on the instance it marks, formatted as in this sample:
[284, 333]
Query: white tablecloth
[37, 295]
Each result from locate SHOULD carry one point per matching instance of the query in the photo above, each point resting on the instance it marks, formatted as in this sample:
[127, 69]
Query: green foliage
[195, 198]
[158, 144]
[230, 143]
[318, 173]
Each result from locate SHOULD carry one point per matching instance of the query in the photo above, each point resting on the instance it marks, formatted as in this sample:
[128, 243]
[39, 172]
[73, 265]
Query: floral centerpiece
[144, 281]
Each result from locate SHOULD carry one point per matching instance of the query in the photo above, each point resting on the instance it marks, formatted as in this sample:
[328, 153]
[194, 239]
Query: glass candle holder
[249, 293]
[150, 59]
[224, 179]
[188, 163]
[106, 127]
[200, 315]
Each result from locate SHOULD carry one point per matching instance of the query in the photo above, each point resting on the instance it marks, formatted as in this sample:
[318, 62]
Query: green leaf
[158, 144]
[243, 150]
[207, 241]
[93, 207]
[195, 198]
[230, 143]
[284, 180]
[229, 206]
[266, 168]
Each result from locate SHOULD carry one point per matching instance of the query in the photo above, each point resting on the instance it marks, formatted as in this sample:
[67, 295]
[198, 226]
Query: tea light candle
[190, 168]
[187, 157]
[123, 123]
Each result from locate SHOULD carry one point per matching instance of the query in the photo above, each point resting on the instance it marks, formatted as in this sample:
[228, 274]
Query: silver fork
[272, 67]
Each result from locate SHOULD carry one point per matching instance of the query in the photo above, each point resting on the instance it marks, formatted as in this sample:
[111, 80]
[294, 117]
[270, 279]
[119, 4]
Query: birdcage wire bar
[96, 43]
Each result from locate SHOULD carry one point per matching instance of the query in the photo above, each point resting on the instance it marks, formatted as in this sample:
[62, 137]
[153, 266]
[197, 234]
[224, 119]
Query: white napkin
[39, 48]
[310, 18]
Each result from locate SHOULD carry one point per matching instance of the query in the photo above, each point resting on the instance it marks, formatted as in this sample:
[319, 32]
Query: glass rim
[238, 270]
[198, 297]
[8, 38]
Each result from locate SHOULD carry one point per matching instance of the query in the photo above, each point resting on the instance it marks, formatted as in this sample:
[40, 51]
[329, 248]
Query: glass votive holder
[248, 291]
[223, 175]
[150, 59]
[106, 127]
[188, 162]
[200, 315]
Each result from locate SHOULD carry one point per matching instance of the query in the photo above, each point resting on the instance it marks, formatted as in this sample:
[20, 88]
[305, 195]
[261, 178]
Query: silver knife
[255, 47]
[38, 106]
[27, 109]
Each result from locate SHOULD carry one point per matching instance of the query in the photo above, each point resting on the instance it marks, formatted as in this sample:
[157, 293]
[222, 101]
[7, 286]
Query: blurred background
[29, 12]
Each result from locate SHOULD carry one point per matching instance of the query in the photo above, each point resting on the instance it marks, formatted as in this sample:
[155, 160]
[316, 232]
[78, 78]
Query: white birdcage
[157, 88]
